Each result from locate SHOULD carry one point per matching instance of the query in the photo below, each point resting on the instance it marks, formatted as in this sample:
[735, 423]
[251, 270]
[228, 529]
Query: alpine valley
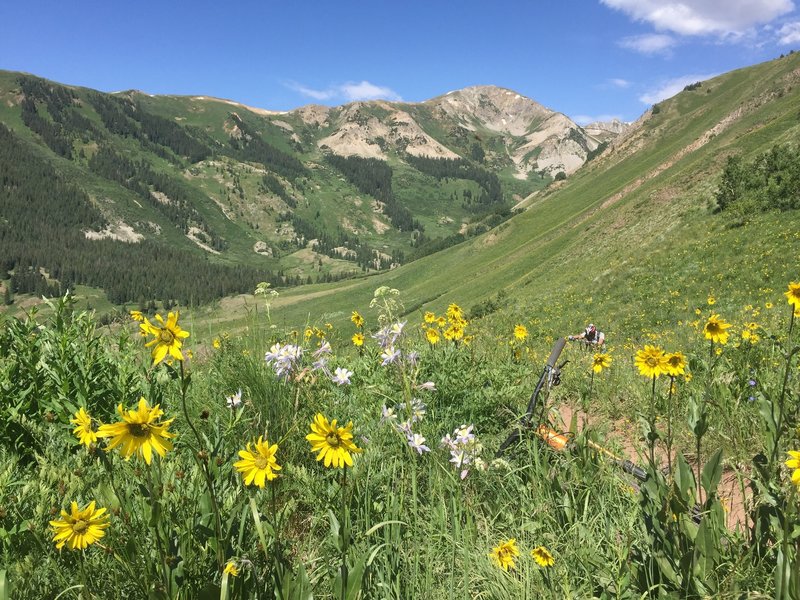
[96, 185]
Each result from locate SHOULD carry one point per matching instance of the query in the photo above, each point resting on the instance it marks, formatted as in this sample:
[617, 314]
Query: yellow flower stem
[345, 532]
[105, 459]
[203, 464]
[669, 425]
[259, 526]
[155, 512]
[651, 440]
[84, 586]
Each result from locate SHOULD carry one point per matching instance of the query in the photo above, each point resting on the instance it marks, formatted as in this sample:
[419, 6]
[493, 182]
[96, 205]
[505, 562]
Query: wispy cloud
[620, 83]
[649, 43]
[586, 119]
[350, 91]
[669, 88]
[703, 17]
[789, 33]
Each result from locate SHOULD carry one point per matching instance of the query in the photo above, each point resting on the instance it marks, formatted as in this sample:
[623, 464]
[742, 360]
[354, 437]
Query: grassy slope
[569, 246]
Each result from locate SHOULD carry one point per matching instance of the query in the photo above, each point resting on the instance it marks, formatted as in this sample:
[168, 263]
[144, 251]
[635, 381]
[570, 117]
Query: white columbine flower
[417, 442]
[341, 376]
[235, 400]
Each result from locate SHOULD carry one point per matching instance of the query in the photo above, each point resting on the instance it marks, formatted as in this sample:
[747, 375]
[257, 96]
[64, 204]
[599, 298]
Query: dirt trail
[621, 433]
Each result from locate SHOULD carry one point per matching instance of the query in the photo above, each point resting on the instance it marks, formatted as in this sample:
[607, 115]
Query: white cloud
[789, 33]
[671, 87]
[347, 92]
[703, 17]
[368, 91]
[586, 119]
[649, 43]
[620, 83]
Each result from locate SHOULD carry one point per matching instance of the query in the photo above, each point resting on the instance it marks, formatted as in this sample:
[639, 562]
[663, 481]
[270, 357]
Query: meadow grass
[413, 517]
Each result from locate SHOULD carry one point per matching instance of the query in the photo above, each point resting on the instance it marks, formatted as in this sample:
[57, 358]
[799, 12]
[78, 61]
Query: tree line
[459, 168]
[42, 224]
[771, 181]
[374, 177]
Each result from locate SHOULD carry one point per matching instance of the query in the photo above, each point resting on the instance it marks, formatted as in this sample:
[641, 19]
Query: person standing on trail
[590, 335]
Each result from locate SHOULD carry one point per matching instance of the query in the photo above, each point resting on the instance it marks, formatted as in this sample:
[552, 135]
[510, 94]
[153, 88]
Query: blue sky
[589, 59]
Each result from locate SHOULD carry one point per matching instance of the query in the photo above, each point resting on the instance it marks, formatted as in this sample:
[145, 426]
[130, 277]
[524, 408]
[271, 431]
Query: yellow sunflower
[139, 431]
[358, 339]
[357, 319]
[258, 464]
[675, 364]
[651, 361]
[543, 557]
[715, 330]
[503, 555]
[334, 444]
[432, 335]
[166, 337]
[83, 430]
[137, 315]
[520, 332]
[79, 528]
[601, 361]
[793, 295]
[429, 317]
[794, 463]
[231, 568]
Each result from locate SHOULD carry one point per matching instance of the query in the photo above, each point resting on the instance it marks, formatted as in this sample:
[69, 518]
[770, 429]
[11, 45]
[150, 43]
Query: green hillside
[633, 225]
[251, 194]
[348, 439]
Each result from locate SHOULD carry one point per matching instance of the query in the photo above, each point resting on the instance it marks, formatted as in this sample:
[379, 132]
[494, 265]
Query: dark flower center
[260, 462]
[80, 526]
[139, 429]
[166, 336]
[333, 439]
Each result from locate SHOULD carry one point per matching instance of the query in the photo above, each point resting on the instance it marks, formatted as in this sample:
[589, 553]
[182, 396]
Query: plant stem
[203, 469]
[345, 533]
[669, 424]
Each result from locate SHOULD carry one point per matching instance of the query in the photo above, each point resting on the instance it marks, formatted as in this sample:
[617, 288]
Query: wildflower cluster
[415, 412]
[506, 552]
[653, 362]
[451, 327]
[284, 359]
[464, 449]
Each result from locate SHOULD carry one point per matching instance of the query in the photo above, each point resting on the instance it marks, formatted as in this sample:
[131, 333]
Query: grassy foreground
[224, 474]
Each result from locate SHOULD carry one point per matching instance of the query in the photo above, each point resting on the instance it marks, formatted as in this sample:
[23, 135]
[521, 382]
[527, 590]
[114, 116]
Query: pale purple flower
[412, 357]
[325, 348]
[464, 448]
[388, 414]
[464, 435]
[389, 355]
[321, 364]
[417, 442]
[418, 410]
[428, 386]
[235, 400]
[283, 359]
[342, 376]
[404, 428]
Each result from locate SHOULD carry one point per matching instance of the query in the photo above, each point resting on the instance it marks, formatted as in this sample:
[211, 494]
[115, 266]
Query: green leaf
[712, 473]
[5, 588]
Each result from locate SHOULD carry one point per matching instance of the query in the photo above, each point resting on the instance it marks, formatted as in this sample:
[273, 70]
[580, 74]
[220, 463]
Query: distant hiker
[590, 335]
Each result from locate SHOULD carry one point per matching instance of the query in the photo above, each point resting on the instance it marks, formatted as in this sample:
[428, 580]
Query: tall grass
[412, 518]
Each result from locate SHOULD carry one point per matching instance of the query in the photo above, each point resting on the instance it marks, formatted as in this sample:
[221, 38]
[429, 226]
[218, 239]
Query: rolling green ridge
[283, 195]
[631, 226]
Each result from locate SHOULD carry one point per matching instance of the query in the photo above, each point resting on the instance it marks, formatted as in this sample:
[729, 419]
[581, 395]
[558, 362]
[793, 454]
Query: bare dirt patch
[116, 231]
[735, 498]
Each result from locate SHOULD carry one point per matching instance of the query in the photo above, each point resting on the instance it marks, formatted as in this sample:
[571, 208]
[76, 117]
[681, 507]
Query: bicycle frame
[550, 377]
